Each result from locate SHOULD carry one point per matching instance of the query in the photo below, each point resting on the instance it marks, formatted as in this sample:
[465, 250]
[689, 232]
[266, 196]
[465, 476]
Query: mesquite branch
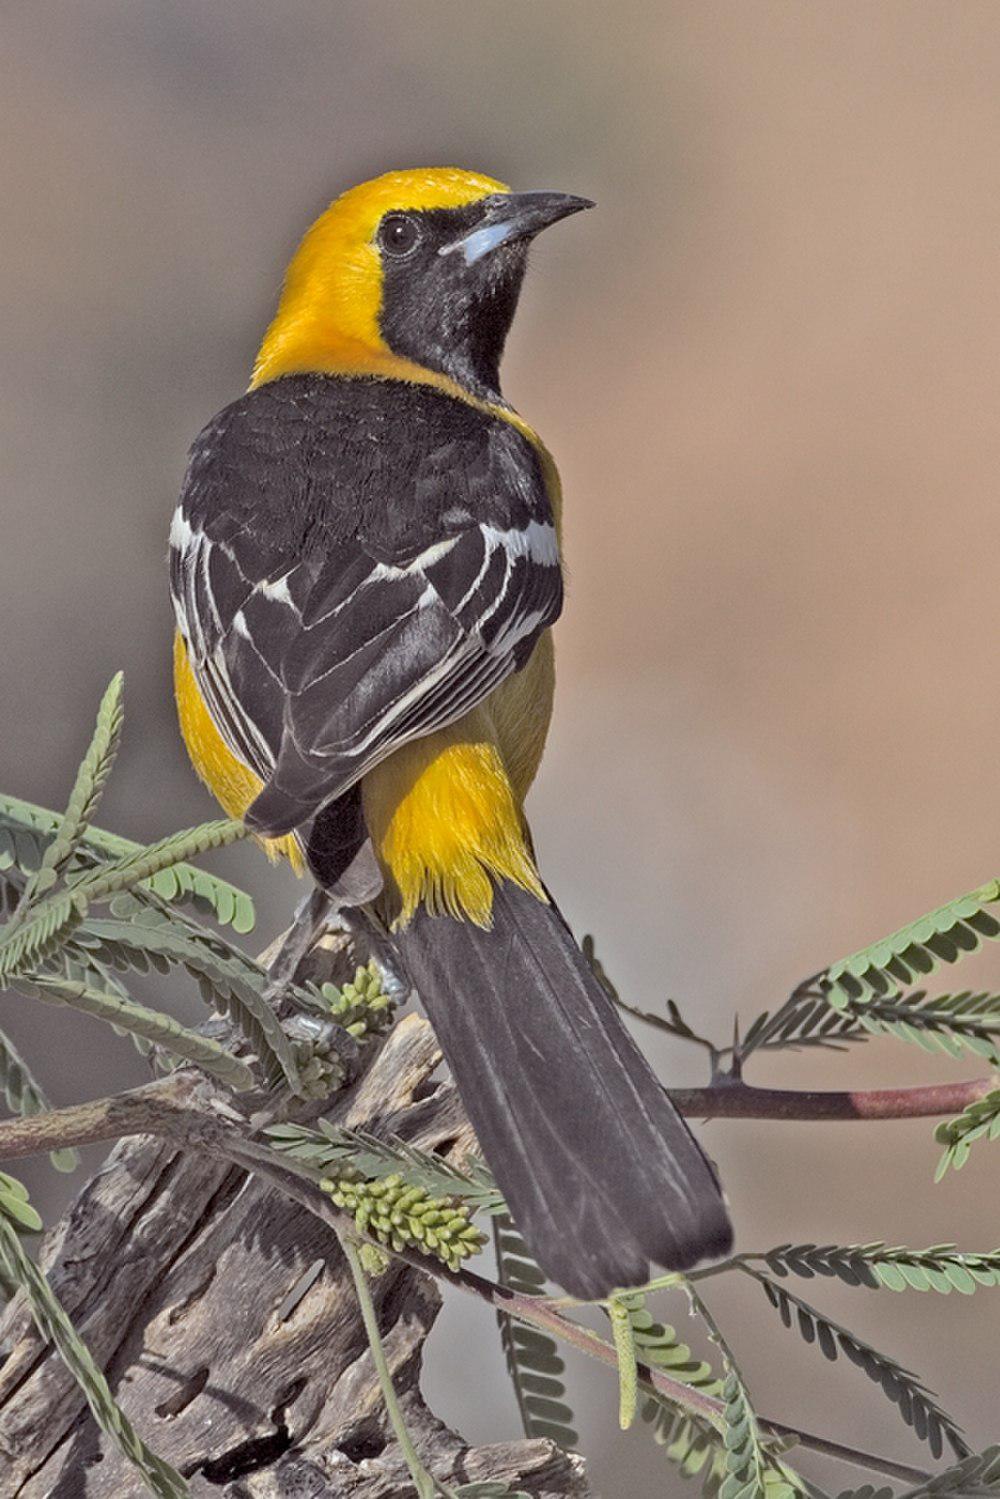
[189, 1111]
[163, 1108]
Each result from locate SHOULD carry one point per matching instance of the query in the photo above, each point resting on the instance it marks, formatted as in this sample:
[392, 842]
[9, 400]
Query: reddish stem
[738, 1100]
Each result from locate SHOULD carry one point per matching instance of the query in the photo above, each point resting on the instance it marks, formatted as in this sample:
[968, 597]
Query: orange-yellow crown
[327, 318]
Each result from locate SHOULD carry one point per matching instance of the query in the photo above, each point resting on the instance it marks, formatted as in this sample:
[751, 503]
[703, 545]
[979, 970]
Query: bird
[365, 566]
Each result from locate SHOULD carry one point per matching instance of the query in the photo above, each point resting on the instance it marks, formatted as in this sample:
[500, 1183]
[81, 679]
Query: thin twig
[426, 1484]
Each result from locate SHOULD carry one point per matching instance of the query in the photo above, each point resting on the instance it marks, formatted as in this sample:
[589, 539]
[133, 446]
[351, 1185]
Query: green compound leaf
[26, 830]
[694, 1443]
[949, 1023]
[942, 1268]
[228, 980]
[152, 1025]
[17, 1269]
[15, 1207]
[805, 1020]
[915, 1403]
[895, 962]
[980, 1120]
[659, 1347]
[136, 868]
[978, 1474]
[745, 1459]
[26, 944]
[533, 1361]
[90, 781]
[325, 1146]
[24, 1096]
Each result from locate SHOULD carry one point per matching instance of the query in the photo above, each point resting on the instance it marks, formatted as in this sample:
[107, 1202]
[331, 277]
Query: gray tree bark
[224, 1317]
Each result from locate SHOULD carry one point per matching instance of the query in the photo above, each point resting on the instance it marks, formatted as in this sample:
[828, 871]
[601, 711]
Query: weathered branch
[224, 1316]
[163, 1108]
[218, 1146]
[549, 1316]
[180, 1109]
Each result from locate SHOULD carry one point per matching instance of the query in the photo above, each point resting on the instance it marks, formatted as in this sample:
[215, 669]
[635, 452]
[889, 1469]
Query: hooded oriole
[365, 566]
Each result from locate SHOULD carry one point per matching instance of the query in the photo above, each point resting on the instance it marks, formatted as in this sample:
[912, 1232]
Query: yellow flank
[327, 319]
[445, 813]
[232, 784]
[520, 711]
[444, 818]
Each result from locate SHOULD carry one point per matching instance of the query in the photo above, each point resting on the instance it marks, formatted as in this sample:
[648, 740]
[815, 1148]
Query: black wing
[324, 644]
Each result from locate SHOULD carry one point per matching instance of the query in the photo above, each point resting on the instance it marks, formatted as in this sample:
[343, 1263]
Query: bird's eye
[398, 234]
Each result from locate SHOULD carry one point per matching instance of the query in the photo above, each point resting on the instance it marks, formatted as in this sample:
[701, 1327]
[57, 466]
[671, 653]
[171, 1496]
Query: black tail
[601, 1173]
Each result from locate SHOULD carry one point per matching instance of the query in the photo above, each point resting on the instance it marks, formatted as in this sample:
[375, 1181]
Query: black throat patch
[446, 314]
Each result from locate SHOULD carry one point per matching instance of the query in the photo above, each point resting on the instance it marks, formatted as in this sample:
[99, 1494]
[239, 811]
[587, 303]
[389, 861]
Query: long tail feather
[601, 1173]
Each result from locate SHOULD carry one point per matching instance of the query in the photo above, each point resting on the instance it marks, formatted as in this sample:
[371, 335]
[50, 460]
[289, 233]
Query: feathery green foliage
[746, 1461]
[941, 1268]
[533, 1361]
[86, 794]
[658, 1346]
[26, 830]
[325, 1147]
[949, 1023]
[978, 1474]
[894, 962]
[229, 982]
[980, 1120]
[24, 1096]
[741, 1465]
[26, 944]
[17, 1269]
[694, 1445]
[400, 1195]
[804, 1020]
[45, 925]
[915, 1403]
[133, 869]
[152, 1025]
[53, 870]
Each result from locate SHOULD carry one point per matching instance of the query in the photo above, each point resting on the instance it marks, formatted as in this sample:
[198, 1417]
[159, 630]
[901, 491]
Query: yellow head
[415, 272]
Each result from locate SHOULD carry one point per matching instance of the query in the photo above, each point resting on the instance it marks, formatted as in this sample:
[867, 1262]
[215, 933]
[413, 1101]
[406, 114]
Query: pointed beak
[513, 216]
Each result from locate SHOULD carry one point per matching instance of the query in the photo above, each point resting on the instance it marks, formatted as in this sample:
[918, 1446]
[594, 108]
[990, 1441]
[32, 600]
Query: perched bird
[365, 567]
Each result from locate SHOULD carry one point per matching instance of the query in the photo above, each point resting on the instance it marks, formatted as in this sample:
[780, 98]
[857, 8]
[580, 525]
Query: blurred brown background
[768, 368]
